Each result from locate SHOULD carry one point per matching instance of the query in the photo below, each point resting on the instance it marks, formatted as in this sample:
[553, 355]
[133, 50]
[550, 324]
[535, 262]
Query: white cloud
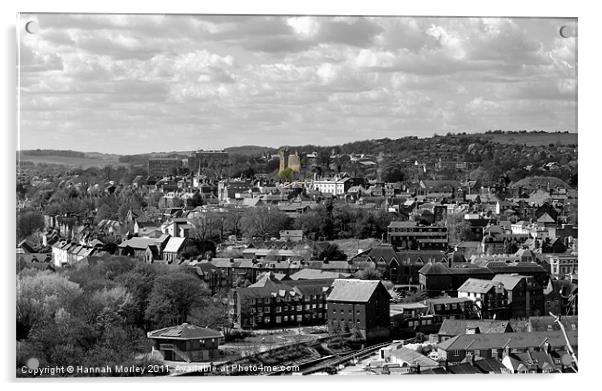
[225, 80]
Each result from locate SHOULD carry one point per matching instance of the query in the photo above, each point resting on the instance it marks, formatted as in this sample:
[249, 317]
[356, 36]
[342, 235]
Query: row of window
[287, 318]
[451, 306]
[279, 309]
[286, 299]
[342, 312]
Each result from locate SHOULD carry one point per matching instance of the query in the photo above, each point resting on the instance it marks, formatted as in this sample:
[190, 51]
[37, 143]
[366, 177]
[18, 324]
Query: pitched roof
[490, 365]
[499, 267]
[185, 331]
[477, 286]
[463, 369]
[174, 244]
[313, 274]
[510, 281]
[434, 269]
[544, 323]
[510, 340]
[139, 243]
[459, 326]
[413, 358]
[354, 290]
[403, 224]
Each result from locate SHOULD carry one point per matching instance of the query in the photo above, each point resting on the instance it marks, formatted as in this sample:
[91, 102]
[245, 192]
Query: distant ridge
[529, 138]
[249, 150]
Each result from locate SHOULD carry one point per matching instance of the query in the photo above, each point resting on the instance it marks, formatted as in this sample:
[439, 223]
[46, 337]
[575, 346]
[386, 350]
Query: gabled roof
[354, 290]
[545, 323]
[185, 331]
[313, 274]
[463, 369]
[459, 326]
[510, 340]
[477, 286]
[174, 245]
[413, 358]
[267, 280]
[139, 243]
[510, 281]
[490, 365]
[434, 269]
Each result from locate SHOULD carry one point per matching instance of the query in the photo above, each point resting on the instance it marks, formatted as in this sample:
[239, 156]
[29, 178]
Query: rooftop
[185, 331]
[353, 290]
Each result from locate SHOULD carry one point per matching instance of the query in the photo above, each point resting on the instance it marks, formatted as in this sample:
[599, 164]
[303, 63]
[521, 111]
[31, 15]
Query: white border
[589, 70]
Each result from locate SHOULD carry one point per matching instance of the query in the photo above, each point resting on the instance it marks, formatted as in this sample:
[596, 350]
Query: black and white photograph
[218, 195]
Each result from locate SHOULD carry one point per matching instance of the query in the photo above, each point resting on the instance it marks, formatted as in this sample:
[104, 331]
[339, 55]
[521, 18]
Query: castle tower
[284, 156]
[294, 162]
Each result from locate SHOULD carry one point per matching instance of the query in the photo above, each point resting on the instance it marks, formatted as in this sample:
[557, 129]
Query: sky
[130, 84]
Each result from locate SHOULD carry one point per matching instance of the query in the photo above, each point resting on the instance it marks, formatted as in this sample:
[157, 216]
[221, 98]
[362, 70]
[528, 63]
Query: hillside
[248, 150]
[68, 158]
[533, 139]
[537, 182]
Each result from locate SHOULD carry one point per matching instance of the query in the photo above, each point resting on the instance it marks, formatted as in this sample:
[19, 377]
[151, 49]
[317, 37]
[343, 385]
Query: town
[453, 254]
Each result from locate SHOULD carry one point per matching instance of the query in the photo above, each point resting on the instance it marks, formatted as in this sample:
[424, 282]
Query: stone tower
[284, 156]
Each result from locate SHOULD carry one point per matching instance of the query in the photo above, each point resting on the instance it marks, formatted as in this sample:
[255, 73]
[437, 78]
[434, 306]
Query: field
[93, 160]
[534, 139]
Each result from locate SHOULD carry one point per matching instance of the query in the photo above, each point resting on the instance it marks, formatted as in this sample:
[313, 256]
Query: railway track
[359, 354]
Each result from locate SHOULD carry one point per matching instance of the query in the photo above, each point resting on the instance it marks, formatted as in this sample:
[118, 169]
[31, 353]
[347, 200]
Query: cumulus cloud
[215, 81]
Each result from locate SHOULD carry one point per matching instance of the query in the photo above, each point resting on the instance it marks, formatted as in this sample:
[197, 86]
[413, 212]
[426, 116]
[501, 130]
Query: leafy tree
[39, 297]
[28, 222]
[207, 226]
[263, 222]
[369, 274]
[329, 252]
[393, 173]
[173, 297]
[214, 314]
[287, 175]
[139, 283]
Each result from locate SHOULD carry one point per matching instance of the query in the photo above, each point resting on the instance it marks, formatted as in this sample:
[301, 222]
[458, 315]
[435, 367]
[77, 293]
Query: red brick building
[359, 308]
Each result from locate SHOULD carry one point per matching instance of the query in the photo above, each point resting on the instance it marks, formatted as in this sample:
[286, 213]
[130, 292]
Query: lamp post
[568, 344]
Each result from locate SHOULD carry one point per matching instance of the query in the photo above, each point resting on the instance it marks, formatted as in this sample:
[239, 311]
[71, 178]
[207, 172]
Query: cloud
[214, 81]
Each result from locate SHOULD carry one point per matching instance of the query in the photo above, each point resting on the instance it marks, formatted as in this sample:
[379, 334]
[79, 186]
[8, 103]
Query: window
[299, 318]
[278, 319]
